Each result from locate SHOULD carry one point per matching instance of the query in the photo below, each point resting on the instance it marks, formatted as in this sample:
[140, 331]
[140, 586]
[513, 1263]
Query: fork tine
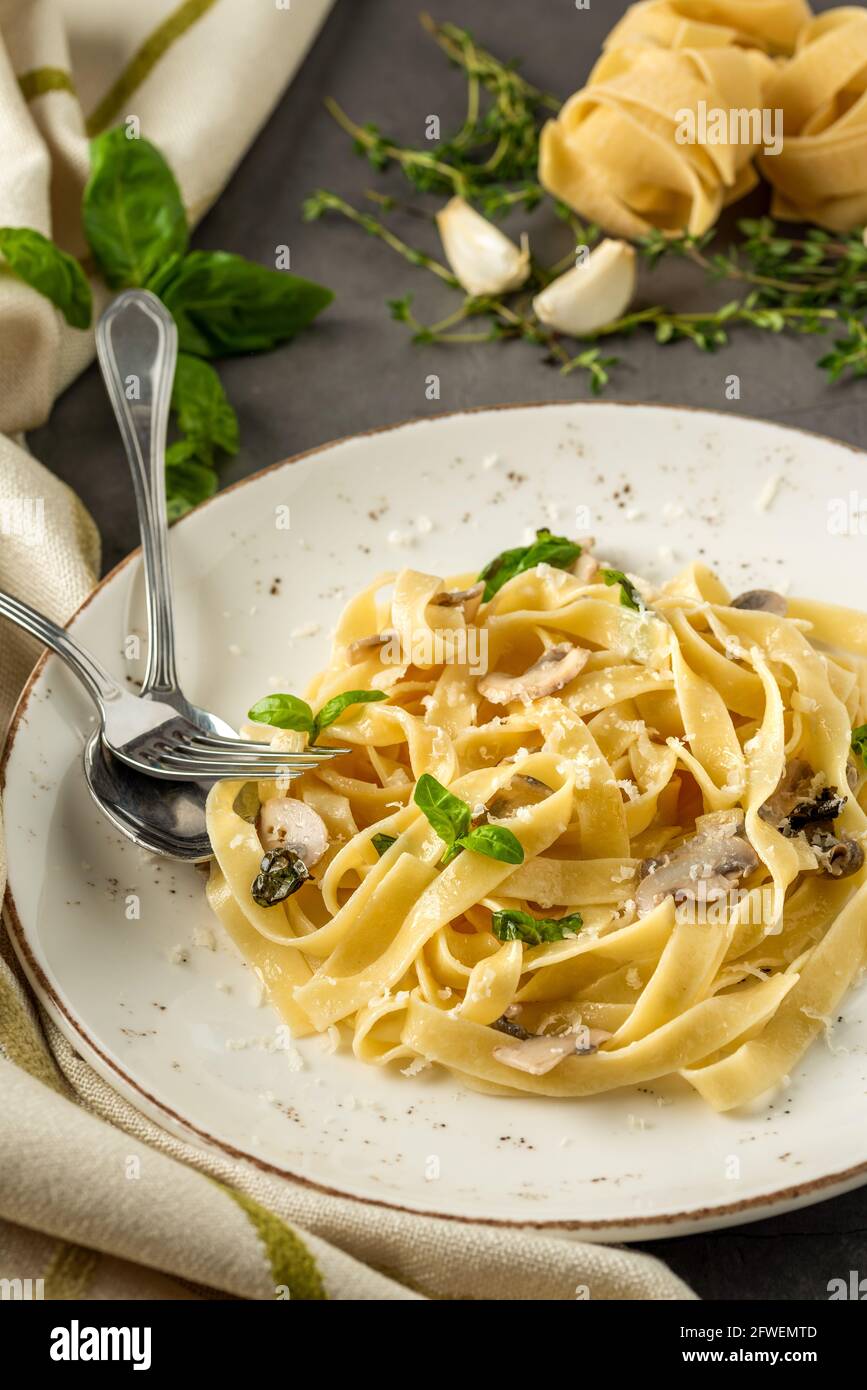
[180, 750]
[213, 743]
[218, 767]
[244, 752]
[269, 767]
[215, 772]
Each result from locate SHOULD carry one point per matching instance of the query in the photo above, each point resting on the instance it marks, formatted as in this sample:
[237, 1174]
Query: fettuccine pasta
[587, 834]
[690, 97]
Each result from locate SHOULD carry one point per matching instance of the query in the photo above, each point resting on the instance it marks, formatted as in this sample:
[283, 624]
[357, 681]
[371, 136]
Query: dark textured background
[358, 370]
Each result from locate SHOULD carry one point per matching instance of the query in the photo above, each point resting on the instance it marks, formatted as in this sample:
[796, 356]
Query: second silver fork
[136, 341]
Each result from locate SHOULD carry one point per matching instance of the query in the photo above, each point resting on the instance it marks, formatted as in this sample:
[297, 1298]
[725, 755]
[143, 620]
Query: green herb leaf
[381, 843]
[290, 712]
[401, 309]
[496, 842]
[247, 804]
[859, 742]
[188, 481]
[31, 257]
[629, 595]
[225, 304]
[514, 925]
[134, 218]
[202, 407]
[449, 816]
[332, 709]
[284, 712]
[281, 874]
[557, 551]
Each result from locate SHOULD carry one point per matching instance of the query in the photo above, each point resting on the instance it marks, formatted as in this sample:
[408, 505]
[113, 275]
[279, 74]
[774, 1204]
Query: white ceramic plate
[190, 1044]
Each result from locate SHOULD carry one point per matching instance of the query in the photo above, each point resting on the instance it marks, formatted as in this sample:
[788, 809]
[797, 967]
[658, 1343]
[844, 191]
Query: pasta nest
[616, 152]
[821, 174]
[773, 25]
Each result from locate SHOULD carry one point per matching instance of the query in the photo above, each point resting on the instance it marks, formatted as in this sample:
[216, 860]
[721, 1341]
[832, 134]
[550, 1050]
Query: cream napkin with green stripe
[96, 1200]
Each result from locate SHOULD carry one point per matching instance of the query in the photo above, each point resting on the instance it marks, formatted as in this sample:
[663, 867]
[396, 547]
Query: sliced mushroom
[839, 856]
[507, 1025]
[717, 857]
[468, 599]
[798, 803]
[761, 601]
[799, 807]
[538, 1054]
[285, 823]
[362, 646]
[794, 785]
[555, 668]
[521, 791]
[818, 810]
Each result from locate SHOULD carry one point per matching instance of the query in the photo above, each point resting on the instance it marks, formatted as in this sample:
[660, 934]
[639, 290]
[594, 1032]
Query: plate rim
[746, 1208]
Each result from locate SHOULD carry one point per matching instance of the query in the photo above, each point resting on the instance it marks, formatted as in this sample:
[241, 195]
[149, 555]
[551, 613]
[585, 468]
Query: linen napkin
[201, 76]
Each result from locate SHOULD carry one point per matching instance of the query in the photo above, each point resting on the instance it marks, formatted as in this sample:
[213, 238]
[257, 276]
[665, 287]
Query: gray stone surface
[357, 370]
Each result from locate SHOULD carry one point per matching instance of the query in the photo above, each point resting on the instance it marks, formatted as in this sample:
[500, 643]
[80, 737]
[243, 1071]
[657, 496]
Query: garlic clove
[481, 256]
[592, 295]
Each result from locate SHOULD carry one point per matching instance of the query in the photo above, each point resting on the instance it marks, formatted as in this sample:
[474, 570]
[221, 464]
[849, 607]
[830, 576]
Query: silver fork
[150, 735]
[137, 347]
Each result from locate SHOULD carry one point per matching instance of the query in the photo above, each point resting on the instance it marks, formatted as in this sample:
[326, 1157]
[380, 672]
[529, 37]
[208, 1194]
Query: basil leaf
[859, 742]
[557, 551]
[629, 595]
[449, 816]
[166, 272]
[31, 257]
[332, 709]
[202, 407]
[247, 803]
[188, 481]
[280, 875]
[496, 842]
[224, 304]
[381, 843]
[283, 712]
[514, 925]
[133, 215]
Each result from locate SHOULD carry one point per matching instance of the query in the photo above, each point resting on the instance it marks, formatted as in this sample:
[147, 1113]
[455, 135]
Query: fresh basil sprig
[136, 226]
[291, 712]
[209, 423]
[188, 482]
[381, 843]
[859, 742]
[496, 842]
[513, 925]
[132, 210]
[629, 595]
[224, 304]
[31, 257]
[557, 551]
[202, 407]
[451, 818]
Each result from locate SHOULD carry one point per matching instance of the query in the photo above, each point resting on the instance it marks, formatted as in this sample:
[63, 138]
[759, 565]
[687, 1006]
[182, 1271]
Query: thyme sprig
[512, 319]
[803, 284]
[817, 269]
[492, 159]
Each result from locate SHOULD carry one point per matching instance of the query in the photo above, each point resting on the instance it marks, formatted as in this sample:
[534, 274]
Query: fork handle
[137, 346]
[102, 687]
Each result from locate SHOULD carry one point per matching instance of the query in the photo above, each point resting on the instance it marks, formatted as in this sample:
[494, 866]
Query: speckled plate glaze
[167, 1012]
